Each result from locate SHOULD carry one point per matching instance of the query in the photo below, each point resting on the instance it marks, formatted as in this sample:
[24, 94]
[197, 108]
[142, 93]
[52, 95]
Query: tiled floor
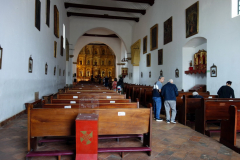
[169, 141]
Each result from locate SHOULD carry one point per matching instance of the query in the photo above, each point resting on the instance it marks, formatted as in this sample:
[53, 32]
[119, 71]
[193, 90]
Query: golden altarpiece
[95, 60]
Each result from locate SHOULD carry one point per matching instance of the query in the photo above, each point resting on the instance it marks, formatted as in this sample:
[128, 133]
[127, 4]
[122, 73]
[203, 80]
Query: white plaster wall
[20, 39]
[81, 25]
[215, 24]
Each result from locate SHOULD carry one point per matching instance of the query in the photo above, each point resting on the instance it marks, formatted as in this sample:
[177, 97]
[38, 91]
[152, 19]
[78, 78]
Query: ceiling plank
[101, 35]
[150, 2]
[102, 16]
[74, 5]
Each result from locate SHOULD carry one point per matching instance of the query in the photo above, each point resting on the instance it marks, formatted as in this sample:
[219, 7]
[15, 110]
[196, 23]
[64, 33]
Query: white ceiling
[108, 3]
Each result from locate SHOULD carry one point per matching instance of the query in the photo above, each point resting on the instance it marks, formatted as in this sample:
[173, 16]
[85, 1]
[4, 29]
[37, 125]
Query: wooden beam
[150, 2]
[101, 35]
[74, 5]
[102, 16]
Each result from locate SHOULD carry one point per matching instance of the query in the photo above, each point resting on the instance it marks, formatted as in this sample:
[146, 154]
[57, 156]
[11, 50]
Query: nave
[169, 141]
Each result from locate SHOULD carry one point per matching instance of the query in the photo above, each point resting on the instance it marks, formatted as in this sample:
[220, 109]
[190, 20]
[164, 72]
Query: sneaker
[173, 122]
[159, 119]
[168, 121]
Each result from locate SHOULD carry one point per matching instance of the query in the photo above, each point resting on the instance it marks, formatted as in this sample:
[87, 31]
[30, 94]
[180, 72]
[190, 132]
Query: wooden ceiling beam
[74, 5]
[102, 16]
[150, 2]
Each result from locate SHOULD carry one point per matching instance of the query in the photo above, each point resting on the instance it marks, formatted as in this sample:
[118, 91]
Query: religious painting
[56, 21]
[30, 65]
[161, 73]
[213, 71]
[67, 50]
[160, 56]
[37, 14]
[55, 49]
[1, 53]
[149, 60]
[150, 74]
[60, 72]
[124, 71]
[46, 68]
[141, 74]
[177, 73]
[168, 31]
[63, 72]
[47, 12]
[154, 37]
[54, 72]
[61, 47]
[145, 45]
[192, 19]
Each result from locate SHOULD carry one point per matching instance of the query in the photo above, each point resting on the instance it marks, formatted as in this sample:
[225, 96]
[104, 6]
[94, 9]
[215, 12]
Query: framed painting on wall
[160, 56]
[63, 72]
[141, 74]
[56, 21]
[168, 31]
[145, 45]
[150, 74]
[192, 19]
[59, 72]
[177, 73]
[154, 37]
[37, 14]
[149, 60]
[46, 68]
[30, 65]
[47, 12]
[67, 50]
[161, 73]
[1, 53]
[55, 49]
[61, 53]
[213, 71]
[54, 72]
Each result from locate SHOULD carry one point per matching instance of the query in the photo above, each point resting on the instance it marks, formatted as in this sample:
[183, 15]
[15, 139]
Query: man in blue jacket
[170, 92]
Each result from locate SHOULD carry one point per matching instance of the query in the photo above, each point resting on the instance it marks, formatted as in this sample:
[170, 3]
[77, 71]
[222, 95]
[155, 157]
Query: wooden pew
[136, 93]
[90, 91]
[61, 122]
[91, 101]
[229, 129]
[89, 96]
[213, 109]
[93, 105]
[189, 106]
[34, 104]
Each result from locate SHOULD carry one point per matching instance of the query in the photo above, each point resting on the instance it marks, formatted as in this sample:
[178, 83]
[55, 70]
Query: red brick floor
[169, 141]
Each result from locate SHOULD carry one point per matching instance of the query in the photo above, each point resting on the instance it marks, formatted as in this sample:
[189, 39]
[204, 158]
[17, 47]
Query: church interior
[63, 50]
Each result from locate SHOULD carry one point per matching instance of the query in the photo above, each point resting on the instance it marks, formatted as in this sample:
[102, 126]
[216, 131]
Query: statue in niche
[95, 52]
[80, 73]
[88, 62]
[87, 51]
[102, 62]
[103, 52]
[109, 74]
[103, 73]
[95, 63]
[80, 62]
[109, 63]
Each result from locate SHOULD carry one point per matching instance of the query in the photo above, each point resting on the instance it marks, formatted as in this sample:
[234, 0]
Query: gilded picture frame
[56, 21]
[48, 12]
[30, 65]
[177, 73]
[154, 37]
[160, 56]
[213, 71]
[148, 60]
[46, 68]
[168, 31]
[55, 49]
[1, 55]
[37, 14]
[145, 45]
[192, 20]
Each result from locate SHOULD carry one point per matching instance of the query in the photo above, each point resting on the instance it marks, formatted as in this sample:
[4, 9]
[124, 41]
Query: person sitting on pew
[226, 91]
[196, 95]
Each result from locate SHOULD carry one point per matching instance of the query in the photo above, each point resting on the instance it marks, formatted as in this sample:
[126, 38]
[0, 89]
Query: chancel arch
[194, 53]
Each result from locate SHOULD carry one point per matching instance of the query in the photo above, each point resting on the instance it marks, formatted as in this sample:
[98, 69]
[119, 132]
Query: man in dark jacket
[170, 92]
[226, 91]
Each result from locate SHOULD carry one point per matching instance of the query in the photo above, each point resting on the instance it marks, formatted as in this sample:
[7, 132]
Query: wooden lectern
[86, 136]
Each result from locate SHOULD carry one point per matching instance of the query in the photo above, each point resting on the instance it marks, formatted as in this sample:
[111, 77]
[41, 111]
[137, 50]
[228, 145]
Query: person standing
[114, 84]
[106, 81]
[170, 92]
[226, 91]
[156, 96]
